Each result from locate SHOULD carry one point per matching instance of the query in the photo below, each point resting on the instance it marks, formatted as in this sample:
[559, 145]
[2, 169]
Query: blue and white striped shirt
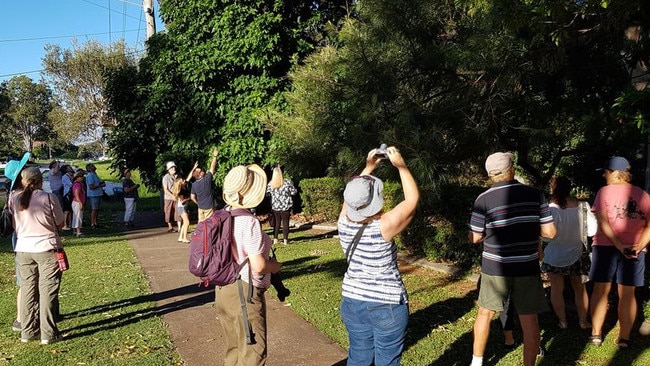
[372, 273]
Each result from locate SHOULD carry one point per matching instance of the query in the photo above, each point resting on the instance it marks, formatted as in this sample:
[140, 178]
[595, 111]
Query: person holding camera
[130, 189]
[375, 303]
[619, 247]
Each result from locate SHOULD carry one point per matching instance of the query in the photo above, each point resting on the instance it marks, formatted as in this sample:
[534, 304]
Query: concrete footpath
[189, 310]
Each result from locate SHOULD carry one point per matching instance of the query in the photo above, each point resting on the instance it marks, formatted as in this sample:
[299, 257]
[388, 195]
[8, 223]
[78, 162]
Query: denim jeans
[376, 331]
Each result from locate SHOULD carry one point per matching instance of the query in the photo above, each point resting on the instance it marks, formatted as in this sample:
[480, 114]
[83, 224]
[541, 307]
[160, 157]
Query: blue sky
[26, 26]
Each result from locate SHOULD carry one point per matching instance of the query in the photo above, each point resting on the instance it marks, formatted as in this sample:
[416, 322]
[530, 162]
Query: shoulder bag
[585, 257]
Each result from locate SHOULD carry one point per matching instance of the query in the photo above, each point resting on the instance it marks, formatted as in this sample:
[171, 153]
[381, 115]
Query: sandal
[563, 324]
[624, 343]
[585, 324]
[510, 347]
[596, 340]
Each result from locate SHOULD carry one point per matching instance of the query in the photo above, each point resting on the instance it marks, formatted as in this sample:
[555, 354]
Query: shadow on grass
[172, 300]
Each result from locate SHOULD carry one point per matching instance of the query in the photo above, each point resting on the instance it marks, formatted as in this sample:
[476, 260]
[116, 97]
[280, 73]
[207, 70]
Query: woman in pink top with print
[619, 247]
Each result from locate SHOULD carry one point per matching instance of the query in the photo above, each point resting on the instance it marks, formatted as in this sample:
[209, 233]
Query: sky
[26, 26]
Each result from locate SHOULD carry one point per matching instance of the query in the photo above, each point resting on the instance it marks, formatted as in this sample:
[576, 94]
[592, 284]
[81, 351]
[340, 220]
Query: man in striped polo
[508, 219]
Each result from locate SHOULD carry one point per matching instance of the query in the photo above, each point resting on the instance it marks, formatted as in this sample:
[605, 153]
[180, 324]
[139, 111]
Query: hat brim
[255, 194]
[14, 167]
[376, 205]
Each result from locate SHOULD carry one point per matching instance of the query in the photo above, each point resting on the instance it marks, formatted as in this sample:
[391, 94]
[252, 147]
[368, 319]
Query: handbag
[61, 257]
[6, 222]
[585, 257]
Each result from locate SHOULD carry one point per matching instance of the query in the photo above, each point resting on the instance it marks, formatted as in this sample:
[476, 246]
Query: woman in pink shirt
[618, 251]
[37, 218]
[78, 201]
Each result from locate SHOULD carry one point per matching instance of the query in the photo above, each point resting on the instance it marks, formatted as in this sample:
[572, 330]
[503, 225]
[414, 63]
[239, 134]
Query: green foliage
[322, 197]
[27, 116]
[78, 78]
[206, 81]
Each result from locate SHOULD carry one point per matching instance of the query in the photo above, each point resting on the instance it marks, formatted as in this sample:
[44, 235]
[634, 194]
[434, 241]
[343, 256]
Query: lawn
[110, 318]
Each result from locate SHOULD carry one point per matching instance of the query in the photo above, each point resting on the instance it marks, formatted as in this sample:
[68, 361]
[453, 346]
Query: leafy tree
[77, 76]
[6, 124]
[28, 112]
[206, 80]
[450, 82]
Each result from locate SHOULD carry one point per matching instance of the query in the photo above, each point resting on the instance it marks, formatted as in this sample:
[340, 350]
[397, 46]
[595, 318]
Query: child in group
[181, 191]
[78, 201]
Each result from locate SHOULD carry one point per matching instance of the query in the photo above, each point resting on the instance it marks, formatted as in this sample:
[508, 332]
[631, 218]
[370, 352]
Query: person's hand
[215, 153]
[632, 252]
[395, 157]
[372, 160]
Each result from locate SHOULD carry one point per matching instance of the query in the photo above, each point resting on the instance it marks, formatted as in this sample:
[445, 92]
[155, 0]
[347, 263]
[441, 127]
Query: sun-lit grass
[109, 315]
[442, 312]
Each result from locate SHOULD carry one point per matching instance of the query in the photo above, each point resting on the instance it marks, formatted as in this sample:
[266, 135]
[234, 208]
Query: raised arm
[396, 220]
[213, 165]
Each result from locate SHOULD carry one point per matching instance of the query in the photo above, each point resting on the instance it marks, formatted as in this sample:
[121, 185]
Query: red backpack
[211, 249]
[212, 258]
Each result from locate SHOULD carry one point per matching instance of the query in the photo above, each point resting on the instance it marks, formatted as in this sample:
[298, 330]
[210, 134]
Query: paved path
[189, 310]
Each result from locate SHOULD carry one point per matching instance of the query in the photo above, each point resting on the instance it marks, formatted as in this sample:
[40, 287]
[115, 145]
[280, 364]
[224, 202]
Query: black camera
[381, 151]
[278, 285]
[628, 251]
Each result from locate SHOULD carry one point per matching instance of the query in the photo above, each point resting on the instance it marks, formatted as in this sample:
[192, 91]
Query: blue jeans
[376, 331]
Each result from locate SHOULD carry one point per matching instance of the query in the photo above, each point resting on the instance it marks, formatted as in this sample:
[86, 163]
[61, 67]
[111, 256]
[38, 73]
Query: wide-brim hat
[244, 186]
[13, 168]
[363, 197]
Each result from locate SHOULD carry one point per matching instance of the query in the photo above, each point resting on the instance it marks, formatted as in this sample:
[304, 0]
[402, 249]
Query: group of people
[198, 187]
[38, 218]
[510, 218]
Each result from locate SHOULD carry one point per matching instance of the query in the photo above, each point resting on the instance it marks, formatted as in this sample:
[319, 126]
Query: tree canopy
[27, 107]
[206, 80]
[77, 76]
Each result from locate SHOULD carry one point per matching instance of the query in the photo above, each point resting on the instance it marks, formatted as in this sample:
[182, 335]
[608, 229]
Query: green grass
[442, 312]
[109, 315]
[110, 318]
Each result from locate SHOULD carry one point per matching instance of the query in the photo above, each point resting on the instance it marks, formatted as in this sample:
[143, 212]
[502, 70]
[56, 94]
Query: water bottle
[62, 259]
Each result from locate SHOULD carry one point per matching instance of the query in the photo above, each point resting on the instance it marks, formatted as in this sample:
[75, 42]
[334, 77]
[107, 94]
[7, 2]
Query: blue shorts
[95, 202]
[608, 263]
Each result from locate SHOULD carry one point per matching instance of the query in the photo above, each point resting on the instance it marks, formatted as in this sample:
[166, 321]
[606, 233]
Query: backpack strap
[244, 313]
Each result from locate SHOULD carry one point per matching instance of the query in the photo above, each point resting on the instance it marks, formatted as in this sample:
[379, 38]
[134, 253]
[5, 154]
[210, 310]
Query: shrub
[322, 197]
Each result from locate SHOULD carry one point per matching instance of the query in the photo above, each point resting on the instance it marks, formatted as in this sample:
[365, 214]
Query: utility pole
[147, 6]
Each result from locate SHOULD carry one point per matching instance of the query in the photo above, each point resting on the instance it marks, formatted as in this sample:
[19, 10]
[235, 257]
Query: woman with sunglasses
[375, 303]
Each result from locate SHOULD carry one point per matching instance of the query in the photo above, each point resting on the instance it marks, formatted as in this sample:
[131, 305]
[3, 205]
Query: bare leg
[599, 306]
[557, 297]
[626, 310]
[581, 300]
[530, 327]
[481, 330]
[93, 217]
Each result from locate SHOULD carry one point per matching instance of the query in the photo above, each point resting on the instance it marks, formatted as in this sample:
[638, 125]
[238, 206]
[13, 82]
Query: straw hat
[14, 167]
[244, 186]
[363, 197]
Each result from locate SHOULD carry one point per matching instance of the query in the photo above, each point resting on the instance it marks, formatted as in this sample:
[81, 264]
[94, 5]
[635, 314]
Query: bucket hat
[363, 197]
[170, 164]
[244, 186]
[14, 167]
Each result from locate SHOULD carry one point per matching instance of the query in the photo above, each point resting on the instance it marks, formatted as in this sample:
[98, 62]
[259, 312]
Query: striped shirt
[250, 239]
[508, 216]
[372, 273]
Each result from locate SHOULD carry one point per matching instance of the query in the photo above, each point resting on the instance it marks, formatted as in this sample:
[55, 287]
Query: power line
[109, 9]
[134, 52]
[56, 37]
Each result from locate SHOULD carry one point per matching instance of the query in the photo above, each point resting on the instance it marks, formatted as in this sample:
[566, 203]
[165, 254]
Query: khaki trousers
[238, 353]
[40, 279]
